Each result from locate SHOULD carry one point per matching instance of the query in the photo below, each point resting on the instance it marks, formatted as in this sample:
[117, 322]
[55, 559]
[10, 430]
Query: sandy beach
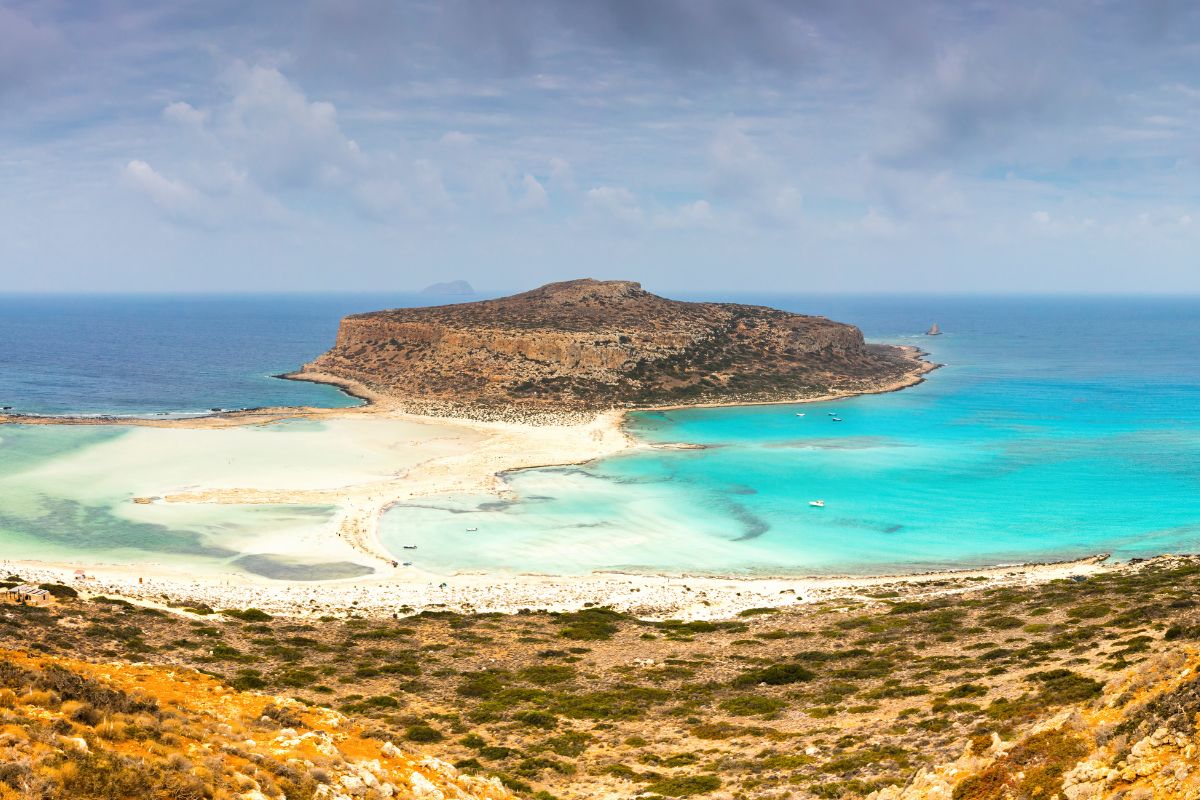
[646, 596]
[360, 462]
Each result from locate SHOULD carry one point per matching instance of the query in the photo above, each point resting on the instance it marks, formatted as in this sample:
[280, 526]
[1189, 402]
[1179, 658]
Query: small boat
[830, 414]
[410, 547]
[799, 415]
[817, 503]
[408, 563]
[835, 419]
[934, 330]
[472, 530]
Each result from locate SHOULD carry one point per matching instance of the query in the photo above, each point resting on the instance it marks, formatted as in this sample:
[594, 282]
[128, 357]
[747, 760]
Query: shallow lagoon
[1058, 429]
[67, 492]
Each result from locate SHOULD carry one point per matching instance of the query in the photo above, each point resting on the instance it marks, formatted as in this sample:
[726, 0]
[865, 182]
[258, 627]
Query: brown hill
[587, 344]
[72, 729]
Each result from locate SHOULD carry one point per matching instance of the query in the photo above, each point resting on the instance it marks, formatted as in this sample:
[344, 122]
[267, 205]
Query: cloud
[697, 214]
[743, 177]
[174, 198]
[533, 194]
[283, 138]
[183, 114]
[614, 205]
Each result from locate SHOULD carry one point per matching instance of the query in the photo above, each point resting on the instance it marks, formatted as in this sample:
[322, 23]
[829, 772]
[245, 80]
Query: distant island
[587, 345]
[450, 289]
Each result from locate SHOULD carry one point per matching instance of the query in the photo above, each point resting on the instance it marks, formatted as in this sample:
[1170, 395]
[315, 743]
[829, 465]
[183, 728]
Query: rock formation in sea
[587, 344]
[450, 289]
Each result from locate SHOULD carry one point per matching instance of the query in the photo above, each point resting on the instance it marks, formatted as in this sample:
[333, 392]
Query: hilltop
[592, 345]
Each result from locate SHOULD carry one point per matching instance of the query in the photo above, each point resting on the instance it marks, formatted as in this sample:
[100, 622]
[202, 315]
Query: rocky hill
[946, 689]
[587, 344]
[1138, 740]
[72, 729]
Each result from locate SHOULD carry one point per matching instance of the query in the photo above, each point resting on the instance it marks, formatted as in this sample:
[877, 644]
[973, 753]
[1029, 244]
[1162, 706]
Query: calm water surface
[1058, 427]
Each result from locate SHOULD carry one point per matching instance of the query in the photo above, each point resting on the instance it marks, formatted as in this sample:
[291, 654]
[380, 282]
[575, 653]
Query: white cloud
[174, 198]
[283, 138]
[698, 214]
[533, 194]
[614, 204]
[184, 114]
[749, 181]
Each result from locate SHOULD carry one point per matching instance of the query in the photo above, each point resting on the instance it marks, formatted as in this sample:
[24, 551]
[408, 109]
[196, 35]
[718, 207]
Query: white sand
[200, 476]
[650, 597]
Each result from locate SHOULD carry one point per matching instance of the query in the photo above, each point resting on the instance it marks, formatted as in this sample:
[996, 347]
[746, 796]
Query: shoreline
[438, 411]
[644, 596]
[517, 441]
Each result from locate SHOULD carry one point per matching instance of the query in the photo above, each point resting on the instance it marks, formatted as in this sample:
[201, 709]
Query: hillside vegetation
[1047, 688]
[70, 729]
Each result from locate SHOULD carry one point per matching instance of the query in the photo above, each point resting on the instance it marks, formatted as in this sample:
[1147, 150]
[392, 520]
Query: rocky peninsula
[588, 345]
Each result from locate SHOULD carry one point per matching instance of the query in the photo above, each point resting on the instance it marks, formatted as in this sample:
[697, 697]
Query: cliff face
[588, 344]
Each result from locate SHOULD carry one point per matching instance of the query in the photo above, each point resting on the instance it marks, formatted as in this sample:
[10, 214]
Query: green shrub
[422, 733]
[248, 615]
[547, 674]
[1061, 686]
[775, 675]
[590, 624]
[685, 785]
[537, 719]
[751, 705]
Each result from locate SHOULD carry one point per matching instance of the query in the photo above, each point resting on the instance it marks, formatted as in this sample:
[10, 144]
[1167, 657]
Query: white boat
[799, 415]
[472, 530]
[836, 419]
[817, 503]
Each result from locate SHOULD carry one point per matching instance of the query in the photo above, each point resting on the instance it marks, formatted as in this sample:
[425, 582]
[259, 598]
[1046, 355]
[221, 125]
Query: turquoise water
[1058, 428]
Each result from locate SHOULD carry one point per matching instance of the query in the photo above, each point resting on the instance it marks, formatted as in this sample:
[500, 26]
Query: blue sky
[690, 144]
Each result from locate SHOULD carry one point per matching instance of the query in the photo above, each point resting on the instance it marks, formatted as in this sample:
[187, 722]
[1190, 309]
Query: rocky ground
[836, 699]
[592, 345]
[72, 729]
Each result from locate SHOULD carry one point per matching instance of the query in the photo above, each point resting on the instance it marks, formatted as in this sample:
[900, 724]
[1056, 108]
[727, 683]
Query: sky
[693, 145]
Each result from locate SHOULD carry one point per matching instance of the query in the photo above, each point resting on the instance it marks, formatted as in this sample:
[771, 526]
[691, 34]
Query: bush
[248, 615]
[1060, 686]
[590, 624]
[775, 675]
[547, 674]
[685, 785]
[537, 719]
[423, 733]
[624, 703]
[59, 590]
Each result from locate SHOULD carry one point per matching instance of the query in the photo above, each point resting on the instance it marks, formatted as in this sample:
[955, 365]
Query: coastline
[644, 596]
[517, 441]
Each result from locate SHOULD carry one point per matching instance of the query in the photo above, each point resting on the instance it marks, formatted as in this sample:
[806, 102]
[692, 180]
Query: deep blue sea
[1058, 427]
[153, 354]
